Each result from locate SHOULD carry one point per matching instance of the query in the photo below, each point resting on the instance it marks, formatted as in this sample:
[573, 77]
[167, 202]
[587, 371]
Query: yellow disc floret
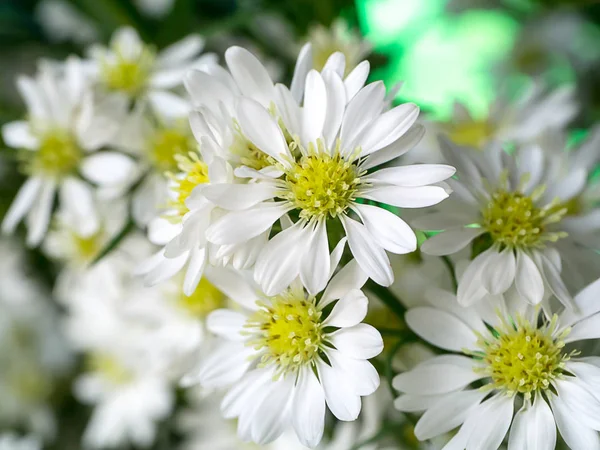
[514, 220]
[521, 358]
[108, 367]
[128, 75]
[288, 330]
[192, 172]
[204, 300]
[58, 155]
[166, 144]
[321, 185]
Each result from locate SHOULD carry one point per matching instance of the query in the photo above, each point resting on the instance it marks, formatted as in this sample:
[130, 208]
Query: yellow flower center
[204, 300]
[250, 155]
[521, 358]
[108, 367]
[87, 247]
[58, 155]
[128, 75]
[287, 330]
[321, 185]
[166, 144]
[514, 220]
[193, 172]
[473, 133]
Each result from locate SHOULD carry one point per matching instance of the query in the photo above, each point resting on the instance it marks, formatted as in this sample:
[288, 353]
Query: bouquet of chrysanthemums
[240, 263]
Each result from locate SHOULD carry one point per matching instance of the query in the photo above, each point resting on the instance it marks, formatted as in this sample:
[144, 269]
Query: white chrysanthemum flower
[515, 121]
[506, 359]
[313, 163]
[136, 70]
[33, 352]
[11, 441]
[286, 356]
[65, 124]
[61, 21]
[513, 221]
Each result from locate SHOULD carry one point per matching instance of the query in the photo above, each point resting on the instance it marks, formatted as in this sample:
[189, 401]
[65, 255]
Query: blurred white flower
[520, 358]
[516, 121]
[155, 8]
[501, 205]
[33, 353]
[11, 441]
[136, 70]
[66, 125]
[62, 21]
[273, 347]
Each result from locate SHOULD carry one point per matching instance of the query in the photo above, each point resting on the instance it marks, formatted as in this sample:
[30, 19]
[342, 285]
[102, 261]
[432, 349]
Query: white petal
[250, 75]
[359, 373]
[418, 403]
[22, 203]
[314, 111]
[315, 265]
[395, 149]
[181, 51]
[226, 364]
[303, 65]
[370, 256]
[240, 226]
[442, 329]
[279, 262]
[450, 241]
[351, 276]
[388, 128]
[528, 280]
[442, 220]
[575, 433]
[361, 341]
[580, 401]
[447, 414]
[356, 79]
[39, 216]
[17, 135]
[492, 422]
[336, 63]
[588, 328]
[498, 274]
[244, 391]
[234, 285]
[169, 105]
[32, 96]
[407, 197]
[431, 379]
[226, 323]
[76, 197]
[271, 417]
[341, 400]
[336, 103]
[109, 168]
[470, 289]
[361, 110]
[208, 91]
[260, 128]
[235, 197]
[308, 415]
[586, 303]
[350, 310]
[195, 270]
[533, 428]
[389, 230]
[551, 275]
[412, 176]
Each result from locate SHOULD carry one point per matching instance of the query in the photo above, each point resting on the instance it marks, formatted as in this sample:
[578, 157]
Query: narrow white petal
[450, 241]
[226, 323]
[407, 197]
[361, 110]
[336, 103]
[431, 379]
[314, 111]
[22, 203]
[361, 341]
[181, 51]
[39, 216]
[398, 148]
[315, 265]
[470, 289]
[356, 79]
[493, 420]
[359, 373]
[370, 256]
[195, 270]
[272, 416]
[208, 91]
[235, 197]
[388, 128]
[575, 433]
[341, 400]
[303, 65]
[17, 135]
[250, 75]
[240, 226]
[258, 126]
[442, 329]
[389, 230]
[308, 414]
[413, 176]
[528, 280]
[350, 277]
[168, 104]
[109, 168]
[350, 310]
[533, 428]
[498, 274]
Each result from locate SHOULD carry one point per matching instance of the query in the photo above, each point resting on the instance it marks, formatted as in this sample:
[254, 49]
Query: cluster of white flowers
[218, 229]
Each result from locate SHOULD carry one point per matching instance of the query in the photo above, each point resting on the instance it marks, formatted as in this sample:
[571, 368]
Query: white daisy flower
[136, 70]
[65, 124]
[286, 357]
[11, 441]
[318, 170]
[513, 221]
[509, 359]
[516, 121]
